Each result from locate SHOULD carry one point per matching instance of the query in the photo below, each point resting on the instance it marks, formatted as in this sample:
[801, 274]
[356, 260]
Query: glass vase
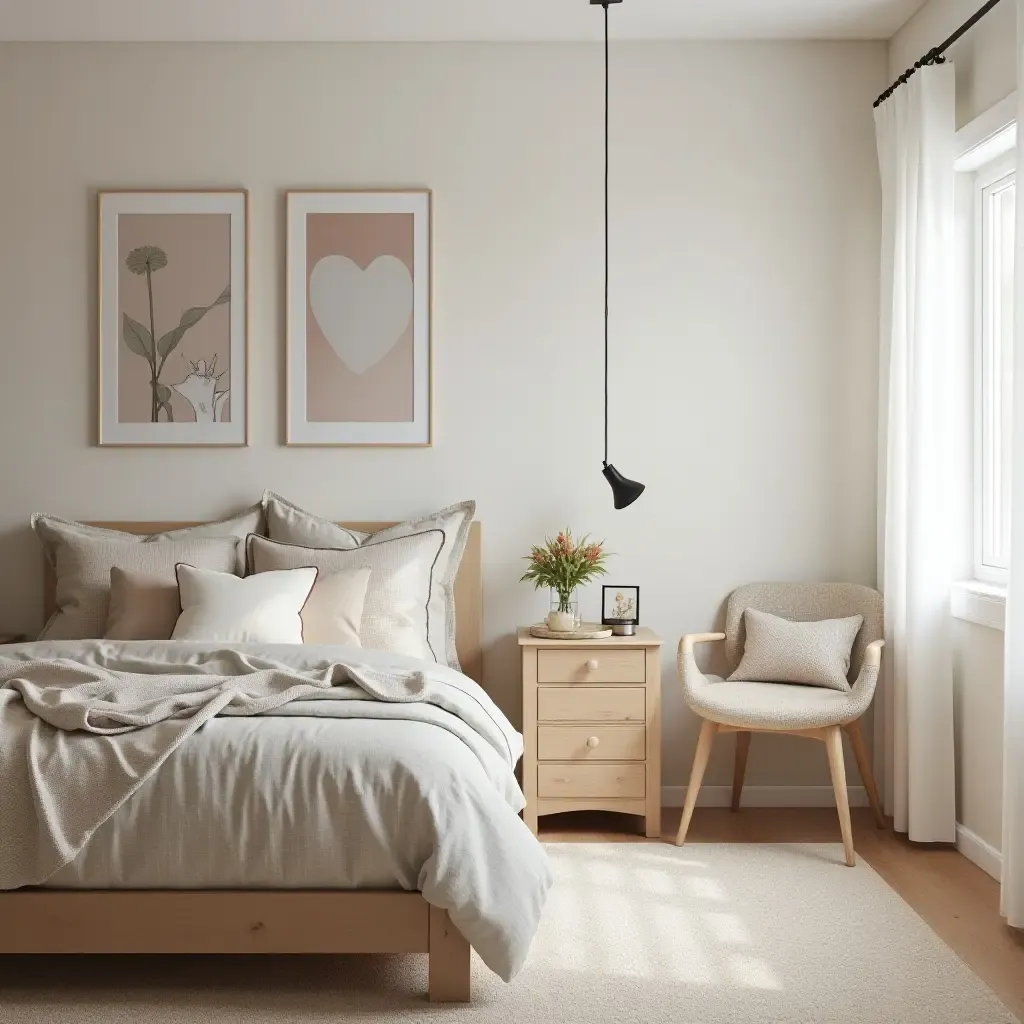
[564, 615]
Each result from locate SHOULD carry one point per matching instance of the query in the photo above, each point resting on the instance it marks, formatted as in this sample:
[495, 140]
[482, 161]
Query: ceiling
[437, 20]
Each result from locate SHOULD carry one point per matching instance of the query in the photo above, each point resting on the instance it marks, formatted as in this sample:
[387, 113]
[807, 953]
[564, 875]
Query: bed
[269, 919]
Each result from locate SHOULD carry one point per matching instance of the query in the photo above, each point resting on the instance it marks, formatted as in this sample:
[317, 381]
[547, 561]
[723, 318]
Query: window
[995, 193]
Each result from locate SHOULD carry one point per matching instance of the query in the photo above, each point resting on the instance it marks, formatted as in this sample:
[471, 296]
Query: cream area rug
[633, 934]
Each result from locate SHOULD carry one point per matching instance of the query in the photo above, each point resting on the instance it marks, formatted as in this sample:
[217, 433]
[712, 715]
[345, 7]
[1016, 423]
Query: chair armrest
[873, 654]
[688, 642]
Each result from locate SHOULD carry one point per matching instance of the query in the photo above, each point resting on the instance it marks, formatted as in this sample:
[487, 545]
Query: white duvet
[326, 767]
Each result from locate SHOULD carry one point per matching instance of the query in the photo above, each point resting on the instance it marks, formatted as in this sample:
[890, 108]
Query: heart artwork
[363, 313]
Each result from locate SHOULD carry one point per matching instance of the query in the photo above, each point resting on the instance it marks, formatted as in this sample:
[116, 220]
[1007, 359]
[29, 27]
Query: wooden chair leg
[740, 767]
[700, 762]
[837, 767]
[864, 767]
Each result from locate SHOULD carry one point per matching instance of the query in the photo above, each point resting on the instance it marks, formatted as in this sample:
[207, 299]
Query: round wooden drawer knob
[592, 742]
[592, 665]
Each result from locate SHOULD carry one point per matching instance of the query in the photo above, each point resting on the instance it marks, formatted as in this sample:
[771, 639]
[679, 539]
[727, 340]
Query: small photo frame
[620, 606]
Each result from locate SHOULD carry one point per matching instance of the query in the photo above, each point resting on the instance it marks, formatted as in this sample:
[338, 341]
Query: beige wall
[745, 255]
[986, 71]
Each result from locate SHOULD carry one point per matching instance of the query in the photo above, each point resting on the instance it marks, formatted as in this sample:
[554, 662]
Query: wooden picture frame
[359, 348]
[173, 301]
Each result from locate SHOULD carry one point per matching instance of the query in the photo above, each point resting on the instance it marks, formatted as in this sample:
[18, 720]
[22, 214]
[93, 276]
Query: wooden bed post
[449, 960]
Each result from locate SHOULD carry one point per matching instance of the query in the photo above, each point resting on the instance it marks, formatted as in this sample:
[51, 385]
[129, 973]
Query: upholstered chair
[810, 711]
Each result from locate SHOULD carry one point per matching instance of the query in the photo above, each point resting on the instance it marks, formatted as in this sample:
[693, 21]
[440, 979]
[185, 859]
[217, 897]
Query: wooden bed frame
[255, 920]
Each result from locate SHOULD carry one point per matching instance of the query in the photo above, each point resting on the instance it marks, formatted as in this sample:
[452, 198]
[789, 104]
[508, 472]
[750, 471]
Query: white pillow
[257, 609]
[289, 524]
[396, 615]
[778, 650]
[334, 611]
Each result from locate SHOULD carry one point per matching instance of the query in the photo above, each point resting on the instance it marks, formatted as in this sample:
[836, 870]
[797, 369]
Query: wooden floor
[958, 900]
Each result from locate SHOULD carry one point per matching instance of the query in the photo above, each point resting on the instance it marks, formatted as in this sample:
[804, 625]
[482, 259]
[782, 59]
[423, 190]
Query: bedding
[82, 556]
[257, 609]
[289, 524]
[185, 765]
[141, 607]
[396, 613]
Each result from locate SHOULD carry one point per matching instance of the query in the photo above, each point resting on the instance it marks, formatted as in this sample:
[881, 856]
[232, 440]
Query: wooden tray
[588, 631]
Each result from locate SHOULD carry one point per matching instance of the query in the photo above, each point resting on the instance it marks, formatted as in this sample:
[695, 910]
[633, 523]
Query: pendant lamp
[624, 490]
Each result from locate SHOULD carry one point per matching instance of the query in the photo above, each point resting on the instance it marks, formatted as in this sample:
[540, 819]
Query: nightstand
[592, 726]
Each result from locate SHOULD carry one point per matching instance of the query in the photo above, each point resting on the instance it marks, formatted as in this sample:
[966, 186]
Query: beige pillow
[82, 556]
[141, 607]
[396, 613]
[221, 607]
[778, 650]
[334, 611]
[289, 524]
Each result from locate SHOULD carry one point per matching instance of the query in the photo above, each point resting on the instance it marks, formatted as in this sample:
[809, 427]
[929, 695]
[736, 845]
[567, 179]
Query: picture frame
[620, 606]
[359, 347]
[173, 317]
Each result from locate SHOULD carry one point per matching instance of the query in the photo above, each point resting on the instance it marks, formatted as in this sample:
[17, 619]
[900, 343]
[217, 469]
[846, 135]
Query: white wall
[745, 247]
[986, 71]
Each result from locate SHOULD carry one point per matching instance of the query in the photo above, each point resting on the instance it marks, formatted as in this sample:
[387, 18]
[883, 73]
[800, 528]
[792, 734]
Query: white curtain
[1013, 684]
[914, 712]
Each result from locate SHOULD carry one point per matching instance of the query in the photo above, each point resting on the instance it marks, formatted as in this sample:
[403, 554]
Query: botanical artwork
[621, 604]
[172, 333]
[195, 253]
[358, 318]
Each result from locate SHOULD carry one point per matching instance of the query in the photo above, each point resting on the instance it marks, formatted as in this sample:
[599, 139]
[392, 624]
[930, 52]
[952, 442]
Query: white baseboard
[764, 796]
[976, 850]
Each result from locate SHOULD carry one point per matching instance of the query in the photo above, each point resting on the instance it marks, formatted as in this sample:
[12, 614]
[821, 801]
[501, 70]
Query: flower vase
[564, 616]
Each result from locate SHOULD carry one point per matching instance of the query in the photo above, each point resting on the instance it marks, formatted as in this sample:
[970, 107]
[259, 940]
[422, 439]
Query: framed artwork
[359, 318]
[620, 606]
[173, 318]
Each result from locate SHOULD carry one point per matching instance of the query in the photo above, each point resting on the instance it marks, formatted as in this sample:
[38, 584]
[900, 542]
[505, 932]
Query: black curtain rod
[934, 56]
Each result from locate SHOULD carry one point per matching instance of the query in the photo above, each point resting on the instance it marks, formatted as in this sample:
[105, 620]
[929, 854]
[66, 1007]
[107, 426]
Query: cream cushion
[219, 606]
[778, 650]
[334, 611]
[82, 556]
[397, 609]
[289, 524]
[141, 607]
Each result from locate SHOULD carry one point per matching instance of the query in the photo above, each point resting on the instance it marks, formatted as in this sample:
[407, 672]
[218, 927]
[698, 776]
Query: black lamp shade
[624, 491]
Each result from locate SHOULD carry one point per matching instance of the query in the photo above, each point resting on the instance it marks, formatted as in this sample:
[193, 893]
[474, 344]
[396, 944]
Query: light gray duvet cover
[183, 765]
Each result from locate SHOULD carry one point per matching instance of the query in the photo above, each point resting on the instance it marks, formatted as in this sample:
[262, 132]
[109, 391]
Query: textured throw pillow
[82, 556]
[778, 650]
[141, 607]
[396, 614]
[289, 524]
[222, 607]
[334, 611]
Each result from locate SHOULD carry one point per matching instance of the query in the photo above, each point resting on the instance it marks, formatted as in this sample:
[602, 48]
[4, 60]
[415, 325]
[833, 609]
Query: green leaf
[170, 341]
[225, 296]
[138, 338]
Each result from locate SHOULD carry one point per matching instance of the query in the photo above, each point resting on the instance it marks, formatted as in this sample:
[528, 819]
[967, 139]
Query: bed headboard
[468, 587]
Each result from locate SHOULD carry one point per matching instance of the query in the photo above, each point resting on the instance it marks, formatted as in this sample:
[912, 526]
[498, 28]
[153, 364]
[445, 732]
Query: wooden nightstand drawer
[592, 781]
[591, 742]
[591, 704]
[591, 665]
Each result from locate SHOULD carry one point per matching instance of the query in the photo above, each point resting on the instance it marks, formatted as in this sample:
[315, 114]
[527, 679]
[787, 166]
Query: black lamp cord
[606, 246]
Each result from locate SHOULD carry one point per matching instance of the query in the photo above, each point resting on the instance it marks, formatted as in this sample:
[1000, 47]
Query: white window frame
[992, 381]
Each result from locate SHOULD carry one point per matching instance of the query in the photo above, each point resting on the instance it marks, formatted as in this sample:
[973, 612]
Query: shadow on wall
[21, 606]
